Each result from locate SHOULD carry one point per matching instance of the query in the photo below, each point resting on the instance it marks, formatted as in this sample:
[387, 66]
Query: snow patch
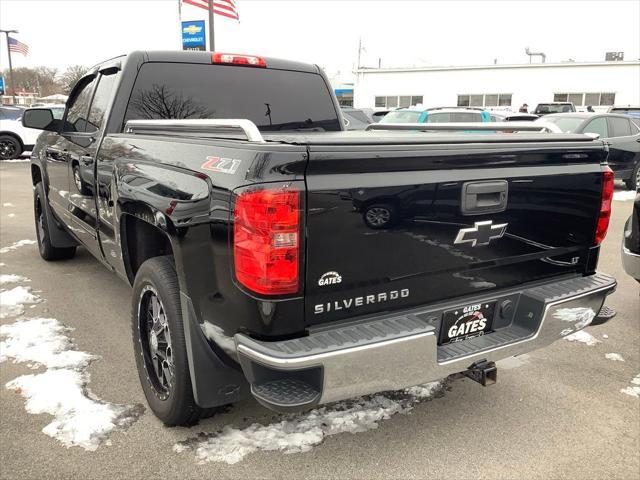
[582, 337]
[8, 204]
[80, 418]
[11, 215]
[636, 380]
[12, 301]
[616, 357]
[604, 335]
[582, 315]
[624, 195]
[18, 244]
[10, 278]
[17, 160]
[300, 433]
[41, 342]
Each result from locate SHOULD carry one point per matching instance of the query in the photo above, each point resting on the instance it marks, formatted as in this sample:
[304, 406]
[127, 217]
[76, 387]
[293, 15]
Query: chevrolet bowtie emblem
[481, 233]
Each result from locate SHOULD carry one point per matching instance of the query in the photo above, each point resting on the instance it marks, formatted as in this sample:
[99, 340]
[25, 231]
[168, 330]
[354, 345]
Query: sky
[393, 32]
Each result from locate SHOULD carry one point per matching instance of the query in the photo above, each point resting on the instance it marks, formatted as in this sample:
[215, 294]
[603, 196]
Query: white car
[14, 138]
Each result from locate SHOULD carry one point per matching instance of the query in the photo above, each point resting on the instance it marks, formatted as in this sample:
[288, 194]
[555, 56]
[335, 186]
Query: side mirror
[39, 118]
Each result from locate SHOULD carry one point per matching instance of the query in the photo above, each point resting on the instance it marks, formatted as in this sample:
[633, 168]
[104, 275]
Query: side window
[77, 114]
[101, 101]
[599, 126]
[620, 127]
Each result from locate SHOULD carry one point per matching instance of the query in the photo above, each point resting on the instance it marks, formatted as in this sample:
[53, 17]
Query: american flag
[226, 8]
[18, 47]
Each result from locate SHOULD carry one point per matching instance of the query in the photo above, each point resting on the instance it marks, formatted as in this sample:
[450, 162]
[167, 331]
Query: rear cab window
[275, 100]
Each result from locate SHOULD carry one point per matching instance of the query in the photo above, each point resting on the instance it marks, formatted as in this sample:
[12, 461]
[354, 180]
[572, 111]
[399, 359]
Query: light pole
[13, 85]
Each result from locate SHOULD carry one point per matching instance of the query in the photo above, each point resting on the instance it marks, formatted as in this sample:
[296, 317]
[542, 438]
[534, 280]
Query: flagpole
[212, 42]
[13, 85]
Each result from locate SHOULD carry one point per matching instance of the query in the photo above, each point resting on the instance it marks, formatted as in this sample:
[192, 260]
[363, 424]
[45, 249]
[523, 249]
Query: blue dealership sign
[1, 85]
[193, 35]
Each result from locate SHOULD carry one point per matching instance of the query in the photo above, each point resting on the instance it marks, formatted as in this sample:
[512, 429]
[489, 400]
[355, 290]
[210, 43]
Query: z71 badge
[221, 164]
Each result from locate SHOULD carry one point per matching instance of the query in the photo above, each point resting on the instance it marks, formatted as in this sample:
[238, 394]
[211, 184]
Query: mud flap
[214, 383]
[58, 236]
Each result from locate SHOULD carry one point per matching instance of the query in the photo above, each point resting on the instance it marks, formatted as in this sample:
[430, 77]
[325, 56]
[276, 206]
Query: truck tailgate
[393, 226]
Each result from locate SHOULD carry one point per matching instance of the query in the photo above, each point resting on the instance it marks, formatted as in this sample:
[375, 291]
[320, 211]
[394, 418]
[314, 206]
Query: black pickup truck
[274, 254]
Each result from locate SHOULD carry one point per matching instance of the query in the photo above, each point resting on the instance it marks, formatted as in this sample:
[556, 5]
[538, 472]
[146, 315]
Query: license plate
[466, 322]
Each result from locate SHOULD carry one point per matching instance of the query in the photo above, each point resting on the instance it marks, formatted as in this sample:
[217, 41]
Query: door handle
[86, 160]
[484, 197]
[54, 153]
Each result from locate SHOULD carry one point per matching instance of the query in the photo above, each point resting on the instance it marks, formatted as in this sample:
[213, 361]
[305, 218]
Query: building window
[394, 101]
[485, 100]
[580, 99]
[575, 98]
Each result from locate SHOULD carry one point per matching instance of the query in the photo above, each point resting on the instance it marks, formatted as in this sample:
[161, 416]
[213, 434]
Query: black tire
[10, 147]
[169, 393]
[380, 215]
[46, 249]
[633, 181]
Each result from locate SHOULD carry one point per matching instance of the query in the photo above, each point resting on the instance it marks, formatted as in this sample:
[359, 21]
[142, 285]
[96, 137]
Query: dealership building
[599, 84]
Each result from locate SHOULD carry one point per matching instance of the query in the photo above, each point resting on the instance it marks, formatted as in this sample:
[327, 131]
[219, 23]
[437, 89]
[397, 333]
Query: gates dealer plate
[466, 322]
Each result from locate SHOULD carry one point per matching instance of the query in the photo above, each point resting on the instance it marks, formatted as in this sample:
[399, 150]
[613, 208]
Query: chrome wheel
[378, 216]
[155, 340]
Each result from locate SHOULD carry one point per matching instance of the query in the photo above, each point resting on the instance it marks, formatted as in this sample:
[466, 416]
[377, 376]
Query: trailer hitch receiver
[483, 372]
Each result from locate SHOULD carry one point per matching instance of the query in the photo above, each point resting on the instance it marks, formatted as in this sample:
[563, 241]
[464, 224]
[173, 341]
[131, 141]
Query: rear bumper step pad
[395, 351]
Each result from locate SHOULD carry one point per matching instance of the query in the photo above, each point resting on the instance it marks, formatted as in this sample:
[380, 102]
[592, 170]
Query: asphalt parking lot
[556, 413]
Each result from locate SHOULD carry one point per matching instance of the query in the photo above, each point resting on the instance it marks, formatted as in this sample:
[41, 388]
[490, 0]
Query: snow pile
[583, 337]
[635, 390]
[7, 204]
[299, 433]
[18, 244]
[624, 195]
[80, 418]
[9, 278]
[12, 301]
[616, 357]
[17, 160]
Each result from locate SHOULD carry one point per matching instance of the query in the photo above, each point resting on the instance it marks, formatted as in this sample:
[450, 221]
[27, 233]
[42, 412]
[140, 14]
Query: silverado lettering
[360, 301]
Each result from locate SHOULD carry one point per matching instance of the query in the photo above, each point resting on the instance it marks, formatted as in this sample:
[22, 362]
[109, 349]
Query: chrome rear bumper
[395, 351]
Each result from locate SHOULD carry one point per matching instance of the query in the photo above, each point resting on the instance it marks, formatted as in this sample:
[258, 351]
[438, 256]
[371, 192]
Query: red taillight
[235, 59]
[266, 240]
[605, 205]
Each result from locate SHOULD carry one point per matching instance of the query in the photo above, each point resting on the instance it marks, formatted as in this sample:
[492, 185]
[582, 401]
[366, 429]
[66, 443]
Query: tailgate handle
[484, 197]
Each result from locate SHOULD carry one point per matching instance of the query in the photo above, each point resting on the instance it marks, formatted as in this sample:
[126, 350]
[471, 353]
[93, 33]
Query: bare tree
[161, 102]
[71, 76]
[41, 80]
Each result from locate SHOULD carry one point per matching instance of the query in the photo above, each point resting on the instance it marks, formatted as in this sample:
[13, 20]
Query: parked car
[251, 272]
[628, 110]
[513, 117]
[619, 131]
[355, 119]
[553, 107]
[437, 115]
[631, 241]
[14, 137]
[378, 115]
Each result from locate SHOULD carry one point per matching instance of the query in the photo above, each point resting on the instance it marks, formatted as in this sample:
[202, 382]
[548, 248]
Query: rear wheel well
[142, 241]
